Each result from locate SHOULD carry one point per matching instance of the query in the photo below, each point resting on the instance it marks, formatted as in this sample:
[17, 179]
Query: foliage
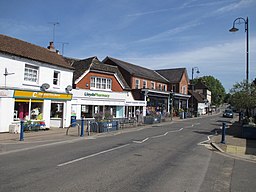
[214, 85]
[243, 96]
[107, 116]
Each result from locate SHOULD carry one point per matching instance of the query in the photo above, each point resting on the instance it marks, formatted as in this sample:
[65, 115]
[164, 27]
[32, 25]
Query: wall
[116, 87]
[148, 85]
[16, 65]
[6, 113]
[183, 82]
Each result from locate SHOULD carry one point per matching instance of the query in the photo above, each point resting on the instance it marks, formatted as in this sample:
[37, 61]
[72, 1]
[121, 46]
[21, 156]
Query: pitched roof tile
[13, 46]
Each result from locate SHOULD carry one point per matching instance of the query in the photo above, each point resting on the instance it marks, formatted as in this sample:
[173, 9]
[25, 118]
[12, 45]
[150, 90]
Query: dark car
[228, 113]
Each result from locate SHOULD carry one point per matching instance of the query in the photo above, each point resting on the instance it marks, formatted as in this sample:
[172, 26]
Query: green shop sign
[96, 94]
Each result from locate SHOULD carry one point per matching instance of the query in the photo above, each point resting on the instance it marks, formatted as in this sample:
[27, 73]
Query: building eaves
[138, 71]
[13, 46]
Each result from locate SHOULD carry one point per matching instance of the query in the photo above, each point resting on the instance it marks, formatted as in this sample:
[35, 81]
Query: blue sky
[156, 34]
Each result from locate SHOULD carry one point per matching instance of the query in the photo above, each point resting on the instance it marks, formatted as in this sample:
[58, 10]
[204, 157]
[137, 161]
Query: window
[144, 84]
[152, 85]
[31, 73]
[160, 87]
[164, 88]
[174, 88]
[184, 90]
[56, 78]
[101, 83]
[137, 84]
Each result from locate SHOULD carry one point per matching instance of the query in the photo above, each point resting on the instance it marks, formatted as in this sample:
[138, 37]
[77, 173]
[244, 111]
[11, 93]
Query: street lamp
[197, 71]
[240, 20]
[194, 69]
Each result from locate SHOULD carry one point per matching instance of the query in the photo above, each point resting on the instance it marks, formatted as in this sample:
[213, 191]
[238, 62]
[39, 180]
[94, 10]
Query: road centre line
[92, 155]
[141, 141]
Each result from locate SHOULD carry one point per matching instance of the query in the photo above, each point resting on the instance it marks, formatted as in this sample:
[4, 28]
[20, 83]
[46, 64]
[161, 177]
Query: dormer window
[101, 83]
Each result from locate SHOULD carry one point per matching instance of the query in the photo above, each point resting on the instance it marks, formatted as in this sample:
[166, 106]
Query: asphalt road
[162, 158]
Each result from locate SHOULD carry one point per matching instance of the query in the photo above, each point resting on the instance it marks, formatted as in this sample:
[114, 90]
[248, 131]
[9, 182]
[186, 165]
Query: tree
[243, 96]
[214, 85]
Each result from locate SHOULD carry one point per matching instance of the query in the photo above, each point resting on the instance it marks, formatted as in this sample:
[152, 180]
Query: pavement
[234, 146]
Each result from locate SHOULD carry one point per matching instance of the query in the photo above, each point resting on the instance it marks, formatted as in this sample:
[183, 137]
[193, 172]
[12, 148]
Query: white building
[34, 84]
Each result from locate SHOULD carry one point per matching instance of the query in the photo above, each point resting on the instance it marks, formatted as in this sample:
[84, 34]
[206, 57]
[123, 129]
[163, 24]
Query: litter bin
[73, 121]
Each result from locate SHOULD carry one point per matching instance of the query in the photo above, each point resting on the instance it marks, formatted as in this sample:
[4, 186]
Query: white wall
[6, 113]
[16, 65]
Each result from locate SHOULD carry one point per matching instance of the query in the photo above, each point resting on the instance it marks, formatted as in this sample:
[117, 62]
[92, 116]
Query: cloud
[225, 62]
[166, 35]
[149, 12]
[234, 6]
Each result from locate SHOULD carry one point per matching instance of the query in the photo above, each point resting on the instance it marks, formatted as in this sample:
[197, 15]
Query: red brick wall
[116, 87]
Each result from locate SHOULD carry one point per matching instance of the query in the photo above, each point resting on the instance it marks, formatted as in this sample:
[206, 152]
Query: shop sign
[6, 93]
[96, 94]
[41, 95]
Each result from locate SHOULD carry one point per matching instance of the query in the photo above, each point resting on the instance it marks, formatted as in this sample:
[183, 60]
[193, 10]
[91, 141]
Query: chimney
[51, 47]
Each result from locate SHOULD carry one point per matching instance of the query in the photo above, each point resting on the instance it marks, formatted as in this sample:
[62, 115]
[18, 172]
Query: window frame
[137, 83]
[100, 83]
[56, 78]
[29, 72]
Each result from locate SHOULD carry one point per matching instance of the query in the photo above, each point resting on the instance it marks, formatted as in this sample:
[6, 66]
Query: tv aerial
[5, 75]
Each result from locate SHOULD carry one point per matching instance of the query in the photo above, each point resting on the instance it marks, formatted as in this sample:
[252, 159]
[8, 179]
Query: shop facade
[90, 103]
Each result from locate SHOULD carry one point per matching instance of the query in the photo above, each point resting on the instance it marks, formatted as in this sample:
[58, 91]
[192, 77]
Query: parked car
[228, 113]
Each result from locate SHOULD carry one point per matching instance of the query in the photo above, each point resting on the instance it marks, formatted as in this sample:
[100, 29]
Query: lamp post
[240, 20]
[197, 71]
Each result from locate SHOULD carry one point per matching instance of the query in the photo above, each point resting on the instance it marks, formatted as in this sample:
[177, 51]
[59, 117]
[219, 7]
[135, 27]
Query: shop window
[86, 111]
[31, 73]
[22, 110]
[56, 78]
[56, 110]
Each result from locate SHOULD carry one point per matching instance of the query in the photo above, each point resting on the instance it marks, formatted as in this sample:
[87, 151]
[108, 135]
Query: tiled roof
[197, 96]
[95, 65]
[138, 71]
[12, 46]
[172, 75]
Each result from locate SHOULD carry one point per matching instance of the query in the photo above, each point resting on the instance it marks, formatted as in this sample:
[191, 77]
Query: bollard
[88, 128]
[82, 127]
[21, 130]
[223, 133]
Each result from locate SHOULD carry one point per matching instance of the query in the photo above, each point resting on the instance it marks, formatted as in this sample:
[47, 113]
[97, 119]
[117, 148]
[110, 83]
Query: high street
[166, 157]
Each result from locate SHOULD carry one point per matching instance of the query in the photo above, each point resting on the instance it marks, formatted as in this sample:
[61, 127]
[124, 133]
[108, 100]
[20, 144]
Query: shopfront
[157, 101]
[33, 105]
[88, 104]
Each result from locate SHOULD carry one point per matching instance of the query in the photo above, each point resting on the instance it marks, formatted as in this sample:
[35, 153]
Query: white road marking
[204, 142]
[141, 141]
[92, 155]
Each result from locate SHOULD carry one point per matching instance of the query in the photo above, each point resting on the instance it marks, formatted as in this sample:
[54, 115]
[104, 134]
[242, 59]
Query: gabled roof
[173, 75]
[93, 64]
[138, 71]
[200, 85]
[12, 46]
[200, 98]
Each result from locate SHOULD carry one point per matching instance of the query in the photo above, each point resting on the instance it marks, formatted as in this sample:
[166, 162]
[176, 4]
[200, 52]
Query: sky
[156, 34]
